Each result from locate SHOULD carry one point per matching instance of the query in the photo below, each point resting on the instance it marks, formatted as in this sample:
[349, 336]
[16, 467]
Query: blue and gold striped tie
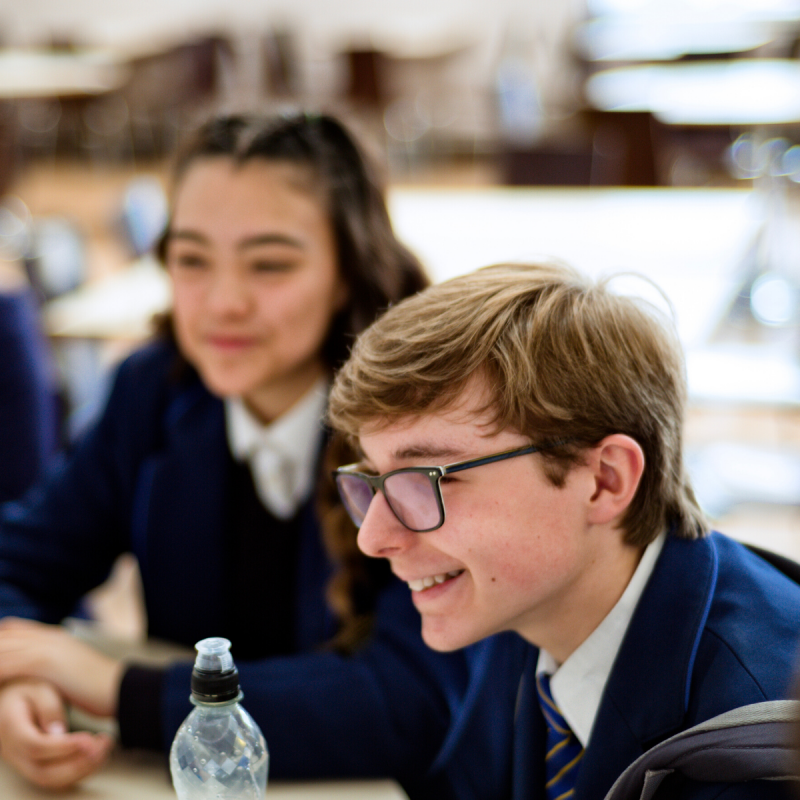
[564, 751]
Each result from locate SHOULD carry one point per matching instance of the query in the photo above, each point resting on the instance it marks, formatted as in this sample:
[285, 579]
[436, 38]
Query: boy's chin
[439, 636]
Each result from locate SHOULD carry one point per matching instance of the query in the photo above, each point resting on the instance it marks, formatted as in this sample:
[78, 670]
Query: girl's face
[252, 257]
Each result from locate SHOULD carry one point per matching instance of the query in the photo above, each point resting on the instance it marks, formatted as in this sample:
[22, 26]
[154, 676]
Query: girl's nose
[228, 293]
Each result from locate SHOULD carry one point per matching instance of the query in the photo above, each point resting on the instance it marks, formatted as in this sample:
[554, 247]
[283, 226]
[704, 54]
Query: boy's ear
[617, 464]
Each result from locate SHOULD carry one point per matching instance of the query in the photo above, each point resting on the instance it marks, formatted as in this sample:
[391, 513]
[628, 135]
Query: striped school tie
[564, 751]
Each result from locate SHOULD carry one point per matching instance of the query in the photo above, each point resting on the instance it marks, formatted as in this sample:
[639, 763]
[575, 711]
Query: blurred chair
[9, 145]
[107, 134]
[598, 150]
[56, 258]
[143, 215]
[167, 90]
[366, 87]
[38, 121]
[56, 265]
[282, 77]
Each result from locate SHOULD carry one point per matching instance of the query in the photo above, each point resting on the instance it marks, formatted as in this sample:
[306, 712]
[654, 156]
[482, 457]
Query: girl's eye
[447, 479]
[272, 265]
[189, 260]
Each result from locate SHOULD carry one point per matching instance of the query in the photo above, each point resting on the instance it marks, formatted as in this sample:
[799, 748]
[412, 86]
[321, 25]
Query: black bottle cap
[215, 686]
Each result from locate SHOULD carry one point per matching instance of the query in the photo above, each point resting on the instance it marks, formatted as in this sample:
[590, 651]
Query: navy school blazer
[146, 479]
[717, 627]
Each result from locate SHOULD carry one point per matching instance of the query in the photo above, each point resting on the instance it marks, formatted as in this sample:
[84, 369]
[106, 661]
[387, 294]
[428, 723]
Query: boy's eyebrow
[433, 453]
[428, 454]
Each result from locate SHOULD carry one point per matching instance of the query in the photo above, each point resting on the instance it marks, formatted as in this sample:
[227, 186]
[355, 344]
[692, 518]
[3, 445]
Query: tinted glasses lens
[356, 495]
[413, 499]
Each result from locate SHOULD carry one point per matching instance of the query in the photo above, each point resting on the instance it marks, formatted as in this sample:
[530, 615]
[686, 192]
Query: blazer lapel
[179, 524]
[646, 694]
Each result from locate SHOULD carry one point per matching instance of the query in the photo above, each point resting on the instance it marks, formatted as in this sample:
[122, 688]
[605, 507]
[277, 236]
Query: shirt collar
[577, 685]
[283, 454]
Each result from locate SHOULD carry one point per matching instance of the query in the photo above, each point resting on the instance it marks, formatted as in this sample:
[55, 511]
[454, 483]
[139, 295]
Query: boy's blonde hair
[564, 359]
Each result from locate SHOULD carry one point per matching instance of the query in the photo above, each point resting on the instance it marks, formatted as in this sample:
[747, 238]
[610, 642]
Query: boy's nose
[381, 534]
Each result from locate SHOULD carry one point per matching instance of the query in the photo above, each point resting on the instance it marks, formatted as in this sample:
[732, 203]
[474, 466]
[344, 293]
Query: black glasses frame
[434, 475]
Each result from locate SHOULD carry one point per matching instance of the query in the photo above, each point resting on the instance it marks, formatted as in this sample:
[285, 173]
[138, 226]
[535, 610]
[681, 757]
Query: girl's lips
[230, 342]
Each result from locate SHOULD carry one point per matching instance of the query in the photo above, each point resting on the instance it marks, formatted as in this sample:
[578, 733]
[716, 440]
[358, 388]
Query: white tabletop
[692, 243]
[137, 775]
[746, 91]
[675, 237]
[33, 73]
[642, 38]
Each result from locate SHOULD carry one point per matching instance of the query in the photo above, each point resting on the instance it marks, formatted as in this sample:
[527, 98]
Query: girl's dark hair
[375, 266]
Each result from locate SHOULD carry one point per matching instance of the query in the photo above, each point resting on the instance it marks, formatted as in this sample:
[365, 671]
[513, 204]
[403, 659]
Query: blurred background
[660, 137]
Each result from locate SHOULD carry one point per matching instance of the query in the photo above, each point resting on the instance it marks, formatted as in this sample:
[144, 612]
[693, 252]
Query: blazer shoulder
[152, 362]
[146, 388]
[753, 626]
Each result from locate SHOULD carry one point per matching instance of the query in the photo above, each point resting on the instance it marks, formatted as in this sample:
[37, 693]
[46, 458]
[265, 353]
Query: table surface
[642, 38]
[747, 91]
[693, 244]
[137, 775]
[37, 73]
[143, 775]
[671, 236]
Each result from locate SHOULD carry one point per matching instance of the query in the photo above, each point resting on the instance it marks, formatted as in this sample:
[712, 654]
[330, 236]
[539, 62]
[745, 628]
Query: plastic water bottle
[218, 753]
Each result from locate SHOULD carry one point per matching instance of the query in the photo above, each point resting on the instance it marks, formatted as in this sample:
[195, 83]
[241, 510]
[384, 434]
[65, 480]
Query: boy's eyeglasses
[413, 493]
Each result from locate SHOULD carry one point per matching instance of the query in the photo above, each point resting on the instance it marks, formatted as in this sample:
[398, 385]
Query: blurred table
[658, 31]
[143, 775]
[118, 306]
[678, 238]
[27, 73]
[642, 38]
[137, 775]
[694, 244]
[674, 237]
[745, 92]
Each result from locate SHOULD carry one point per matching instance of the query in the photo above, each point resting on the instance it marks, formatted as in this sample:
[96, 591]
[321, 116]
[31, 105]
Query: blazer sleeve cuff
[139, 708]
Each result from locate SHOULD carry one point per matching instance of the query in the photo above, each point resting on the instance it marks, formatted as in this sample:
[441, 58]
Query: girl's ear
[617, 465]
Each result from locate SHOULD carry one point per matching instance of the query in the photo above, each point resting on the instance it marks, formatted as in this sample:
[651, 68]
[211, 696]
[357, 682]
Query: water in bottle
[219, 752]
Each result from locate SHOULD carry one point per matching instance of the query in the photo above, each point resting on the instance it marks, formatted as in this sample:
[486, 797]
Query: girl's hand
[34, 738]
[84, 677]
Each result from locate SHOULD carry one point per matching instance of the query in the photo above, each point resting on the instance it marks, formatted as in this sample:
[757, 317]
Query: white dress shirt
[577, 685]
[282, 455]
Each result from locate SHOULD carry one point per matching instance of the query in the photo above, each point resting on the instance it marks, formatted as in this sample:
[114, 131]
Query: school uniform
[155, 476]
[714, 628]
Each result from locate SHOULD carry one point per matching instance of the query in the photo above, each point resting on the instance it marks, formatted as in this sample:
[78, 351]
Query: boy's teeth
[432, 580]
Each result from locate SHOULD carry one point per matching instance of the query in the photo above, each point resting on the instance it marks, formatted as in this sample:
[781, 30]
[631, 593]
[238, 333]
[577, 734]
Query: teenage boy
[564, 514]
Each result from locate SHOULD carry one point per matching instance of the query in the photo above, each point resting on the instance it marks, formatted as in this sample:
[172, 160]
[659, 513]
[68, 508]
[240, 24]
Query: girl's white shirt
[282, 455]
